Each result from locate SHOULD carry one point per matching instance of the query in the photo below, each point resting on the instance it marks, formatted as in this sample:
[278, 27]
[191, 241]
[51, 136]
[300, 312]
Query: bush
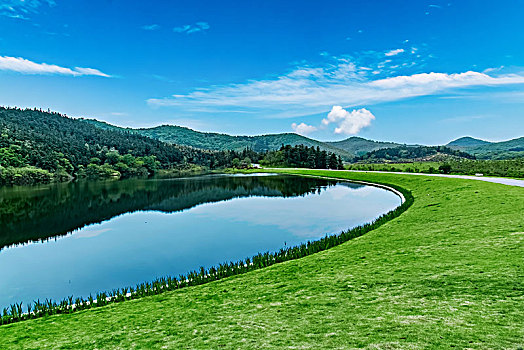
[95, 171]
[24, 176]
[445, 168]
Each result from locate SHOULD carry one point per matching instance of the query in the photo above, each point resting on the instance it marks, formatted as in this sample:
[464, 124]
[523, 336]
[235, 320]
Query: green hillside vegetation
[413, 153]
[38, 147]
[219, 142]
[505, 168]
[453, 280]
[467, 142]
[302, 157]
[360, 146]
[502, 168]
[347, 149]
[510, 149]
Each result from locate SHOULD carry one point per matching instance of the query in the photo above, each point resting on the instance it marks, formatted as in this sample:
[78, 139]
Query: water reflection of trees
[39, 213]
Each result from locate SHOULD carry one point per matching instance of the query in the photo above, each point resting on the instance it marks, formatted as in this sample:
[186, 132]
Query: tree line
[411, 153]
[301, 156]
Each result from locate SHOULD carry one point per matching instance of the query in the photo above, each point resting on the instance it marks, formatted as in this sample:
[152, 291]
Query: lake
[85, 237]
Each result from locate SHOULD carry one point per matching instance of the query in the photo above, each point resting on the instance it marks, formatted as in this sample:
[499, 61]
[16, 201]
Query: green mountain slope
[413, 153]
[65, 146]
[215, 141]
[359, 146]
[467, 141]
[490, 150]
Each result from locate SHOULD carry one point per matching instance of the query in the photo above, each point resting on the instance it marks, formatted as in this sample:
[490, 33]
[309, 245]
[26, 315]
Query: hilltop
[360, 146]
[490, 150]
[467, 141]
[413, 153]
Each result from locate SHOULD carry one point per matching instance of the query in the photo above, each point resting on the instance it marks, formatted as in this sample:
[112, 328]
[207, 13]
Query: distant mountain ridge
[348, 149]
[360, 146]
[214, 141]
[489, 150]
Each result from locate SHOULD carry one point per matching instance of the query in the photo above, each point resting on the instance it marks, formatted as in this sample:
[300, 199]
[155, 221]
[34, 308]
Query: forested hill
[360, 146]
[411, 153]
[60, 145]
[467, 141]
[215, 141]
[510, 149]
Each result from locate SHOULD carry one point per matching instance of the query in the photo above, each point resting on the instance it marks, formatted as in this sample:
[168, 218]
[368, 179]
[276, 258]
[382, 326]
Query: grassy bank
[448, 272]
[512, 168]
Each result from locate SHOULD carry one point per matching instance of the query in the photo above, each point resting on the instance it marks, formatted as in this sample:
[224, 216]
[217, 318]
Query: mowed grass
[449, 272]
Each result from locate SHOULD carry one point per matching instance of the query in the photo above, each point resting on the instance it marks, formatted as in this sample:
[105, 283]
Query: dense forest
[302, 157]
[411, 153]
[39, 147]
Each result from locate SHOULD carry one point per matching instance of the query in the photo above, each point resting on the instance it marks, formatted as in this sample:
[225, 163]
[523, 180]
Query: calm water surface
[82, 238]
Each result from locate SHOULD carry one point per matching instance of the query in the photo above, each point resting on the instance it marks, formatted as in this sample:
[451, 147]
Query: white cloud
[90, 71]
[303, 128]
[348, 123]
[425, 83]
[24, 66]
[151, 27]
[21, 8]
[394, 52]
[308, 90]
[192, 28]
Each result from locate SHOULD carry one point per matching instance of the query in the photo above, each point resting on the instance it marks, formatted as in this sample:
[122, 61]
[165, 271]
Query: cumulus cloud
[394, 52]
[192, 28]
[348, 123]
[303, 128]
[24, 66]
[308, 90]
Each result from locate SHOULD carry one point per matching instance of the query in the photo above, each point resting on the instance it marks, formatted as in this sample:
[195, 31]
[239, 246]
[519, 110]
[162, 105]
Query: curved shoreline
[385, 187]
[224, 270]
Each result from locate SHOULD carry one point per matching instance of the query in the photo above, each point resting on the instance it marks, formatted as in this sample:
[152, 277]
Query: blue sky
[407, 71]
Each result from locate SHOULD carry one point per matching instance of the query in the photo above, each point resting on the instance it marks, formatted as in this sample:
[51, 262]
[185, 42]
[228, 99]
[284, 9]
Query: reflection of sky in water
[141, 246]
[308, 219]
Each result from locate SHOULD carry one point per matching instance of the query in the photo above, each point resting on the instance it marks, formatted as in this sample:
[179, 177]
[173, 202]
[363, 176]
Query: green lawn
[449, 272]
